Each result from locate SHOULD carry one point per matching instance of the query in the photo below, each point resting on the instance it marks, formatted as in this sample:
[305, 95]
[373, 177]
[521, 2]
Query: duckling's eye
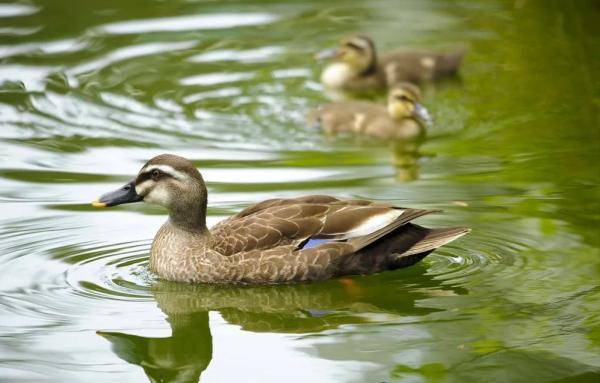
[403, 98]
[156, 174]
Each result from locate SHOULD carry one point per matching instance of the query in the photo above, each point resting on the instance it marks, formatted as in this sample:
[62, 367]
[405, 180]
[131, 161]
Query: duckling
[358, 68]
[280, 240]
[404, 117]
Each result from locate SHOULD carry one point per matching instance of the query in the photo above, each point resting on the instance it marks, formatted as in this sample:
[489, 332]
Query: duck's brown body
[264, 243]
[364, 118]
[276, 241]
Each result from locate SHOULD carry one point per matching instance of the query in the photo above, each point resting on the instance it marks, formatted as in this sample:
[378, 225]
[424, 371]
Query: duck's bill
[421, 113]
[125, 194]
[327, 54]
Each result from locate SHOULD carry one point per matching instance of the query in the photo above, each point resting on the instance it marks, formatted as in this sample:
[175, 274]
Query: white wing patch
[391, 71]
[428, 62]
[359, 120]
[374, 223]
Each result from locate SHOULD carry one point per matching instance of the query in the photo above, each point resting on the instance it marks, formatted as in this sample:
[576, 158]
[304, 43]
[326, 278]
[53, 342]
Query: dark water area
[90, 90]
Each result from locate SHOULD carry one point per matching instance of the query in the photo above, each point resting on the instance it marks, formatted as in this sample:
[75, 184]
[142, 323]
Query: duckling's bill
[421, 113]
[125, 194]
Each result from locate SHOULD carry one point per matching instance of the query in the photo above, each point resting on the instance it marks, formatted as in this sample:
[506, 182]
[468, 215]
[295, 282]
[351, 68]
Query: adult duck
[356, 66]
[301, 239]
[404, 118]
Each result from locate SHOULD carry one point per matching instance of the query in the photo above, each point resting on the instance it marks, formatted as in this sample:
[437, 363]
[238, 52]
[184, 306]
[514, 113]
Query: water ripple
[188, 23]
[12, 10]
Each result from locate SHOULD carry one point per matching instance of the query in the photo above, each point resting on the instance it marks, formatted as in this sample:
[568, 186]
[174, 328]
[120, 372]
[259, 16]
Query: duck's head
[166, 180]
[358, 52]
[404, 102]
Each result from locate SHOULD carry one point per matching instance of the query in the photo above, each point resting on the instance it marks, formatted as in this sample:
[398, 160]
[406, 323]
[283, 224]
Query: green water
[90, 90]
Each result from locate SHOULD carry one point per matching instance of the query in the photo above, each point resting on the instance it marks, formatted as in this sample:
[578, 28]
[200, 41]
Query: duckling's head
[166, 180]
[358, 52]
[404, 102]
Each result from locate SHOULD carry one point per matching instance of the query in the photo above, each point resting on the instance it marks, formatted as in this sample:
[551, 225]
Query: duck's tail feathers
[435, 238]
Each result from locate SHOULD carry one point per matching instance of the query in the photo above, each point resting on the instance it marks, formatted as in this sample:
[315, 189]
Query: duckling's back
[418, 66]
[345, 116]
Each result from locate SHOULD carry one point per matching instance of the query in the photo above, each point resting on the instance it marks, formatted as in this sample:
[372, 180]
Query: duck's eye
[156, 174]
[403, 98]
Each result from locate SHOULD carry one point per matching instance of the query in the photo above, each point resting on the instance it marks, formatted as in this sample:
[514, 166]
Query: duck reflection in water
[182, 357]
[308, 308]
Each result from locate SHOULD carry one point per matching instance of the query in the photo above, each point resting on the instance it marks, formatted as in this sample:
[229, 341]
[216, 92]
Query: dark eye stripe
[143, 177]
[357, 47]
[148, 175]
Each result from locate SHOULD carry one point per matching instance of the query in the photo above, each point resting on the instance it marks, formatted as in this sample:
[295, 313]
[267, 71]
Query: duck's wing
[416, 66]
[308, 222]
[261, 206]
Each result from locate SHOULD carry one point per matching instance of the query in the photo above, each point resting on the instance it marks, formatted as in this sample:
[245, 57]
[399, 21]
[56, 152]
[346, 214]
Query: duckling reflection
[309, 308]
[405, 158]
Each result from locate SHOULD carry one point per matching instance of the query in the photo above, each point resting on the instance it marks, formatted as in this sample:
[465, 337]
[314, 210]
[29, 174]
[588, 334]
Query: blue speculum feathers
[314, 242]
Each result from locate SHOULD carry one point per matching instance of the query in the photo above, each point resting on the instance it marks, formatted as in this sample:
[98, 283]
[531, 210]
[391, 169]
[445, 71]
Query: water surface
[89, 92]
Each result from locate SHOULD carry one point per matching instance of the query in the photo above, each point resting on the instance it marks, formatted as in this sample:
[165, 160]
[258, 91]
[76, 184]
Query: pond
[90, 90]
